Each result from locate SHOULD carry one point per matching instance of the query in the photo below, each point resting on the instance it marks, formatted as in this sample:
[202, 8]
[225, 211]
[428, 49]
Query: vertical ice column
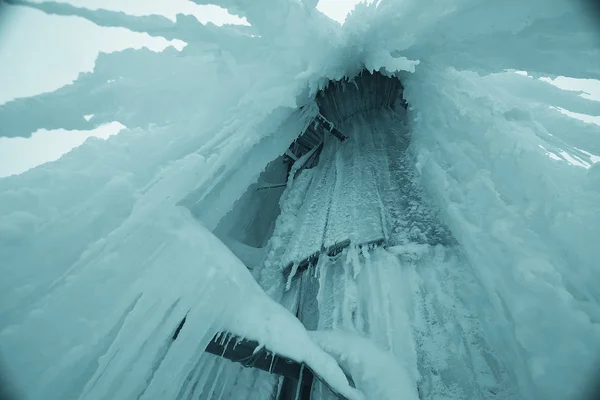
[414, 296]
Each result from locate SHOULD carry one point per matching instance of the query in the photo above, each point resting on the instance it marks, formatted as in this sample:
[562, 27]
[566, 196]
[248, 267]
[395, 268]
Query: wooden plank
[330, 251]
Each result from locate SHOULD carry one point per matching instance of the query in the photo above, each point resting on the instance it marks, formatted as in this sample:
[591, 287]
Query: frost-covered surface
[409, 321]
[105, 250]
[527, 222]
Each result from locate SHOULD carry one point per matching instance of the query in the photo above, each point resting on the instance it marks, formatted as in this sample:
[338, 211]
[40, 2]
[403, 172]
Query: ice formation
[467, 202]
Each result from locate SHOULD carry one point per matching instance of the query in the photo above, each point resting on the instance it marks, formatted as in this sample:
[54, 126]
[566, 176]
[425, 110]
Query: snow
[486, 191]
[373, 369]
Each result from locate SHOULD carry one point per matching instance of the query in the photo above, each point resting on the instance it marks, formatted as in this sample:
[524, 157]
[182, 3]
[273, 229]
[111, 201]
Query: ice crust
[103, 252]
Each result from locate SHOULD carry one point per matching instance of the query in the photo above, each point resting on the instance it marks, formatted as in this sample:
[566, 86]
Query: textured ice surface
[105, 250]
[416, 309]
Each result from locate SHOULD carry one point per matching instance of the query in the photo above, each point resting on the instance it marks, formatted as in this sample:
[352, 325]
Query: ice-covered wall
[529, 223]
[103, 251]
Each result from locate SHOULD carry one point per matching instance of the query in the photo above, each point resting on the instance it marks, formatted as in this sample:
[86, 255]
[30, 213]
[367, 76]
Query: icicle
[232, 371]
[299, 386]
[216, 380]
[272, 361]
[204, 373]
[291, 276]
[279, 387]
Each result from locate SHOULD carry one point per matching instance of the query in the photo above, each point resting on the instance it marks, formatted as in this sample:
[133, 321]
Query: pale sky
[40, 53]
[50, 56]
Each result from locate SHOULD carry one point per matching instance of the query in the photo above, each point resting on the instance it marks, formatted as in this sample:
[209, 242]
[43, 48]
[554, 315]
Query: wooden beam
[330, 251]
[250, 355]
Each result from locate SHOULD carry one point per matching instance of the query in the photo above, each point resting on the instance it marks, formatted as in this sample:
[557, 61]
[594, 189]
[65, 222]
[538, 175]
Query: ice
[411, 301]
[483, 187]
[374, 369]
[133, 356]
[520, 218]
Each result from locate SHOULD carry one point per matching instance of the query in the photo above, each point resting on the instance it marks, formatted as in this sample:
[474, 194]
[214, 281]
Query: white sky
[40, 53]
[19, 154]
[49, 56]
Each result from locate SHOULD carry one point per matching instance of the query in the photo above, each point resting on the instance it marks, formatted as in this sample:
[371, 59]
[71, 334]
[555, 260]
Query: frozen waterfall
[401, 206]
